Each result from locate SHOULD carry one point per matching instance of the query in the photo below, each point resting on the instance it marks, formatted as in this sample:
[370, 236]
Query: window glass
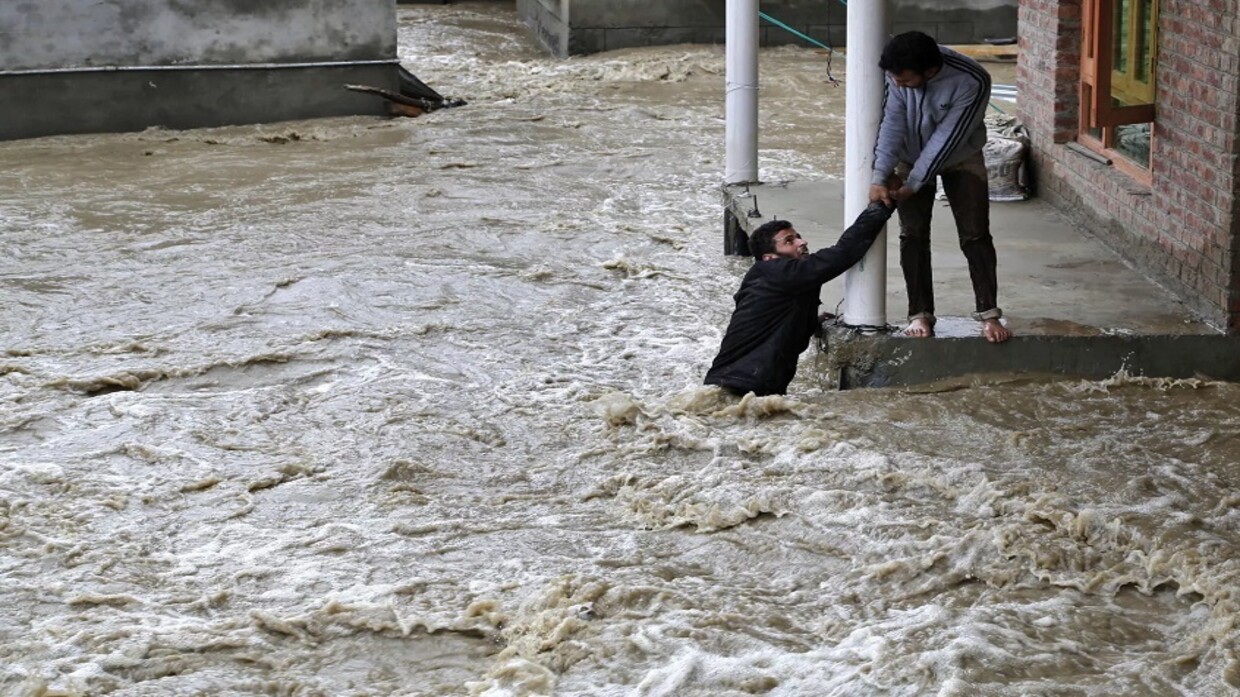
[1132, 54]
[1133, 142]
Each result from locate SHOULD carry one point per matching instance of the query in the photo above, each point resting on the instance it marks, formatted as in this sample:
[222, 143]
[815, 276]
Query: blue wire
[781, 25]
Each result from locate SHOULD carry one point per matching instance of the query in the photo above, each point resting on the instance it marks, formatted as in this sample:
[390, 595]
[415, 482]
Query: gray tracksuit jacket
[936, 125]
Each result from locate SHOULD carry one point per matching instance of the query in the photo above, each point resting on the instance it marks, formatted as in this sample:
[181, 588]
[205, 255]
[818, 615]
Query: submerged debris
[414, 99]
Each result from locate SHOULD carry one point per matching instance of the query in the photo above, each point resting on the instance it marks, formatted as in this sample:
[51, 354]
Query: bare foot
[919, 327]
[995, 332]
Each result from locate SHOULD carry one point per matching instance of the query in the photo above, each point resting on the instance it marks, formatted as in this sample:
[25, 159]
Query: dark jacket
[777, 311]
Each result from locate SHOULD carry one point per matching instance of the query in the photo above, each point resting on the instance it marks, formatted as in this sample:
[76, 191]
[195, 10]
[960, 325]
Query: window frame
[1096, 109]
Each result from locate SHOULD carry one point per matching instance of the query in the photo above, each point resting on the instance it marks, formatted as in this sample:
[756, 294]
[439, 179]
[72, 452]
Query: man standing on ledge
[777, 304]
[933, 125]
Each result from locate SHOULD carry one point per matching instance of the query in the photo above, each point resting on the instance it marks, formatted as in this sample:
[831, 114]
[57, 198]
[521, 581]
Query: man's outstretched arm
[856, 240]
[829, 262]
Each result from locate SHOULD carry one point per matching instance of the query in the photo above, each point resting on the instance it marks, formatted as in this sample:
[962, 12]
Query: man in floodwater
[777, 304]
[933, 126]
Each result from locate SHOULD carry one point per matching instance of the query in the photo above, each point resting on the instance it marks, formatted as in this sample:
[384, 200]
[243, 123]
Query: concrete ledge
[132, 99]
[886, 360]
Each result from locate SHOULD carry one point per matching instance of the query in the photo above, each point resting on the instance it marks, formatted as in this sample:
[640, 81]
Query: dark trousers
[968, 192]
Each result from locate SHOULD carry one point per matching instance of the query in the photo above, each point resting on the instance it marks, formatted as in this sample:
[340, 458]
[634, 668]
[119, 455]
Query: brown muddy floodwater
[413, 407]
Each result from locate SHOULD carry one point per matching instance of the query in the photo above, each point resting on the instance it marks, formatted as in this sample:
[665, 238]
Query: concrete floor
[1076, 308]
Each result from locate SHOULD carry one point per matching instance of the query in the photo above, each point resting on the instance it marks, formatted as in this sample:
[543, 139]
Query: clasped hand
[894, 191]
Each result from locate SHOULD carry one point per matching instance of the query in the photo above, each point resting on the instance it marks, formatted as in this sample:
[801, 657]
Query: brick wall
[1182, 229]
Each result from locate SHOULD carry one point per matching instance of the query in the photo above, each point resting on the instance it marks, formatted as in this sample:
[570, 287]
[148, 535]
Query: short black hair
[911, 50]
[762, 239]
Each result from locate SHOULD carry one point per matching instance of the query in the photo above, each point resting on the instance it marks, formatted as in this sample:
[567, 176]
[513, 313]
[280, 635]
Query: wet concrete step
[856, 360]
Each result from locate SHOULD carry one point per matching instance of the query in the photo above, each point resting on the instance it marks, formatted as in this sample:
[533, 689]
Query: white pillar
[869, 27]
[741, 129]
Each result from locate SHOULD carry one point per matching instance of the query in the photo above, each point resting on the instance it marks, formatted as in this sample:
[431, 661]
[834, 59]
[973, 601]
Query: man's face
[789, 245]
[911, 78]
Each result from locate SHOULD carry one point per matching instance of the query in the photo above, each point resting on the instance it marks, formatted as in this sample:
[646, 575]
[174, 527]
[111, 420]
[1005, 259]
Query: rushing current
[363, 407]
